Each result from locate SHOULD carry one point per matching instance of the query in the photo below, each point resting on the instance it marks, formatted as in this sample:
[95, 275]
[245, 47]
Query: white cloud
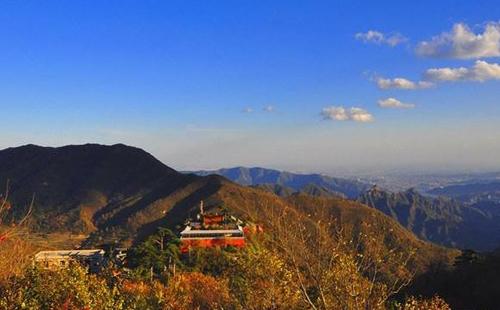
[342, 114]
[247, 110]
[335, 113]
[480, 72]
[269, 108]
[393, 103]
[463, 43]
[401, 83]
[395, 39]
[377, 37]
[370, 36]
[360, 115]
[446, 74]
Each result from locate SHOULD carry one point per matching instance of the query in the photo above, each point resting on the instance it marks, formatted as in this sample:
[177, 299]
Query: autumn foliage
[435, 303]
[305, 260]
[194, 290]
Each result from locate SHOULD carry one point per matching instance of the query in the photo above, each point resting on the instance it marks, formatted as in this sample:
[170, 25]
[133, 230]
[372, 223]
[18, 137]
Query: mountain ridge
[260, 176]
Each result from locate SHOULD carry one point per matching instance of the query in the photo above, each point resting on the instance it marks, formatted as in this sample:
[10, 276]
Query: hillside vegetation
[318, 252]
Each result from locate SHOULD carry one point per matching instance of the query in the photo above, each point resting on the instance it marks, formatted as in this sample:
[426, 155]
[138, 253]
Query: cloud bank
[342, 114]
[462, 43]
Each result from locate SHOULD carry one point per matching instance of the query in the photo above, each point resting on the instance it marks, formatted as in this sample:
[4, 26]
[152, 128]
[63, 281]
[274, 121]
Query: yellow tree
[261, 279]
[14, 249]
[330, 268]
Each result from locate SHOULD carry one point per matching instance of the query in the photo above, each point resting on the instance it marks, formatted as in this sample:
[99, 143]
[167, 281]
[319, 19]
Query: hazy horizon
[344, 171]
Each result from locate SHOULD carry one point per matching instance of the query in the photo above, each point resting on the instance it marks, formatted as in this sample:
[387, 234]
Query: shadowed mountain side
[310, 189]
[188, 207]
[472, 283]
[162, 208]
[73, 184]
[439, 220]
[279, 190]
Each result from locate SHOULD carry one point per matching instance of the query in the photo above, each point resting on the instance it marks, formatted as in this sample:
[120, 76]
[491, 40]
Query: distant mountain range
[310, 189]
[288, 182]
[441, 220]
[471, 192]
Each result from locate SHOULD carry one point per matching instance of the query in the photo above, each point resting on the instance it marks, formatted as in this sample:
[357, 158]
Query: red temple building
[212, 230]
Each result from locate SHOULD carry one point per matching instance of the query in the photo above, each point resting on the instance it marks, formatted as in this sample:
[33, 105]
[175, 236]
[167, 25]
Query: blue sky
[179, 79]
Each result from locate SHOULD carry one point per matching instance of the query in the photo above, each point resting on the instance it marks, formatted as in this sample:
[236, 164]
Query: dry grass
[57, 241]
[15, 256]
[17, 253]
